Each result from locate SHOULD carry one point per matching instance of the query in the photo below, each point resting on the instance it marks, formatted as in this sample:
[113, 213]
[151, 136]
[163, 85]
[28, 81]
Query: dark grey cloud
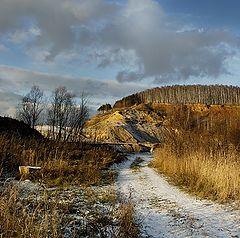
[138, 35]
[167, 53]
[56, 19]
[124, 76]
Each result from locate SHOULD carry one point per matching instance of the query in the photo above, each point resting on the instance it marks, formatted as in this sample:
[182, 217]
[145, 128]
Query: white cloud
[3, 48]
[15, 81]
[166, 53]
[21, 36]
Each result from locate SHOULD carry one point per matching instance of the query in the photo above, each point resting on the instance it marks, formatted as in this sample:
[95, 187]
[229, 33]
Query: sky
[113, 48]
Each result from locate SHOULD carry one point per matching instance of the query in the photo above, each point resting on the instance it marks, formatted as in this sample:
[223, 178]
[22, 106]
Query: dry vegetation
[129, 227]
[52, 216]
[21, 219]
[61, 162]
[64, 165]
[184, 94]
[201, 150]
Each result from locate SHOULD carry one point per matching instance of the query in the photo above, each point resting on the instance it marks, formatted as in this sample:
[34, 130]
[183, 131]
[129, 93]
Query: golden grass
[215, 177]
[202, 152]
[48, 217]
[128, 226]
[66, 172]
[61, 162]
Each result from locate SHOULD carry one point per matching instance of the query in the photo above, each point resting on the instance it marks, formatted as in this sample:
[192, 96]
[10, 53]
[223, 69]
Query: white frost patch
[168, 212]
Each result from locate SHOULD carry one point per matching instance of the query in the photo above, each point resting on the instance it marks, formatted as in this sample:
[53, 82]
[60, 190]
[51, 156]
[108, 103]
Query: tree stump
[25, 171]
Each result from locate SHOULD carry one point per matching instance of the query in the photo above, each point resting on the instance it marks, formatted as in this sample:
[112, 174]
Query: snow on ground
[167, 211]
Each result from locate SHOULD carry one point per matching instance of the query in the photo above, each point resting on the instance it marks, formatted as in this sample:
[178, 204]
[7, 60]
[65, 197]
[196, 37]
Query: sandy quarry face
[137, 124]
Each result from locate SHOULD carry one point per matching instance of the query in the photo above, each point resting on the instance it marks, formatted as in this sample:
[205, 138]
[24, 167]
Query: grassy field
[202, 152]
[61, 162]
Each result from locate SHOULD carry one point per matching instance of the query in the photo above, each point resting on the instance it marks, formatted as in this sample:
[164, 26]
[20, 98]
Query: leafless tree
[31, 106]
[59, 111]
[65, 116]
[79, 115]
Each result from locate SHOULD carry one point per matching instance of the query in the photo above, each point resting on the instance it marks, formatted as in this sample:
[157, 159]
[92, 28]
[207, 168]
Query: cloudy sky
[112, 48]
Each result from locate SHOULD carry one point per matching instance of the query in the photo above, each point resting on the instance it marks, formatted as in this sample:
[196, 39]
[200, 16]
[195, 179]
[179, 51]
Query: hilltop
[185, 94]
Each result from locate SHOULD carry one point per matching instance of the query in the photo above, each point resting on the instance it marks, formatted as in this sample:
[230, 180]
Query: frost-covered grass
[28, 210]
[71, 195]
[23, 219]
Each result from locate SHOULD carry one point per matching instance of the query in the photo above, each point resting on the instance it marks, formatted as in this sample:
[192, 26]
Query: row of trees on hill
[183, 94]
[104, 108]
[63, 113]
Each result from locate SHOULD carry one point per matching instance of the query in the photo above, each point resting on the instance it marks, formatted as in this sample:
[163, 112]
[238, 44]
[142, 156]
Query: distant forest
[184, 94]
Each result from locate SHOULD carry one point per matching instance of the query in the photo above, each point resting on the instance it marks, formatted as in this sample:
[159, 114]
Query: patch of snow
[167, 211]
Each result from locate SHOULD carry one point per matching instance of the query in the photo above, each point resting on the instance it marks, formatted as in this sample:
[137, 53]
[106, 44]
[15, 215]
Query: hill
[18, 128]
[132, 128]
[150, 124]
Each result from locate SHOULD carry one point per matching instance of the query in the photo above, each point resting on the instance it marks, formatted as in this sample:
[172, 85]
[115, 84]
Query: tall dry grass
[202, 153]
[128, 225]
[20, 219]
[216, 177]
[48, 217]
[61, 162]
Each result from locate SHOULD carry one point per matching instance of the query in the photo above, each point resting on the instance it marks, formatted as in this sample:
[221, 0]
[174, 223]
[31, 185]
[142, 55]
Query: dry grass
[202, 153]
[129, 226]
[19, 219]
[49, 217]
[62, 162]
[215, 177]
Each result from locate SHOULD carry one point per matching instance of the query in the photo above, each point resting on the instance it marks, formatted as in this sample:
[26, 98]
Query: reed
[203, 155]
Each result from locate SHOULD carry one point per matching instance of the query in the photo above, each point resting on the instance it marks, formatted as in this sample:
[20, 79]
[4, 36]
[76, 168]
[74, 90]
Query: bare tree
[59, 111]
[182, 94]
[31, 106]
[65, 117]
[79, 115]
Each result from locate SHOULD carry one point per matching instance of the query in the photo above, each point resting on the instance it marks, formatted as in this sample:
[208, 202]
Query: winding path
[166, 211]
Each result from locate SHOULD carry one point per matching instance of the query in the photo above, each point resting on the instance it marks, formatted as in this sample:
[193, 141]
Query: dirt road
[167, 211]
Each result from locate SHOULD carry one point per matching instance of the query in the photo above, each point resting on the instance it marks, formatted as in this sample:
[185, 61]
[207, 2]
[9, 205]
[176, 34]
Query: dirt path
[168, 212]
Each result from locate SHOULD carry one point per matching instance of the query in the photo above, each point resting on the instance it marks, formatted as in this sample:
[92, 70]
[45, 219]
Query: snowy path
[168, 212]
